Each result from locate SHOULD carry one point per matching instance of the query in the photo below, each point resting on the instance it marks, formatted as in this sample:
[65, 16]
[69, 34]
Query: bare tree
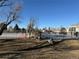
[31, 26]
[12, 16]
[4, 3]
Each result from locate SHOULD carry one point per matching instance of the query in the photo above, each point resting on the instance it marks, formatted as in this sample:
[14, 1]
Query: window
[72, 29]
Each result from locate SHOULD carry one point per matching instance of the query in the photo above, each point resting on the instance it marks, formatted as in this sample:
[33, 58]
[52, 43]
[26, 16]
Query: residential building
[73, 29]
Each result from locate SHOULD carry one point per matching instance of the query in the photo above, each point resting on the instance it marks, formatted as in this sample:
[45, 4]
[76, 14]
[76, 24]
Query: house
[73, 30]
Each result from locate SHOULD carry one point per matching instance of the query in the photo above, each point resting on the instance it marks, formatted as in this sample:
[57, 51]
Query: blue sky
[50, 13]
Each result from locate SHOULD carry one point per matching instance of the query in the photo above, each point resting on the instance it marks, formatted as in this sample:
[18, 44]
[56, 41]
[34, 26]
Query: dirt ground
[36, 49]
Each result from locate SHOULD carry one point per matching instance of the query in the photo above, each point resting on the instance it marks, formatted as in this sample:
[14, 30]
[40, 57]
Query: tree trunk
[3, 28]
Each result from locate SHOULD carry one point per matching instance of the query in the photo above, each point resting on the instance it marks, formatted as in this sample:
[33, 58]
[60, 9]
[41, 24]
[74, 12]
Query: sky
[50, 13]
